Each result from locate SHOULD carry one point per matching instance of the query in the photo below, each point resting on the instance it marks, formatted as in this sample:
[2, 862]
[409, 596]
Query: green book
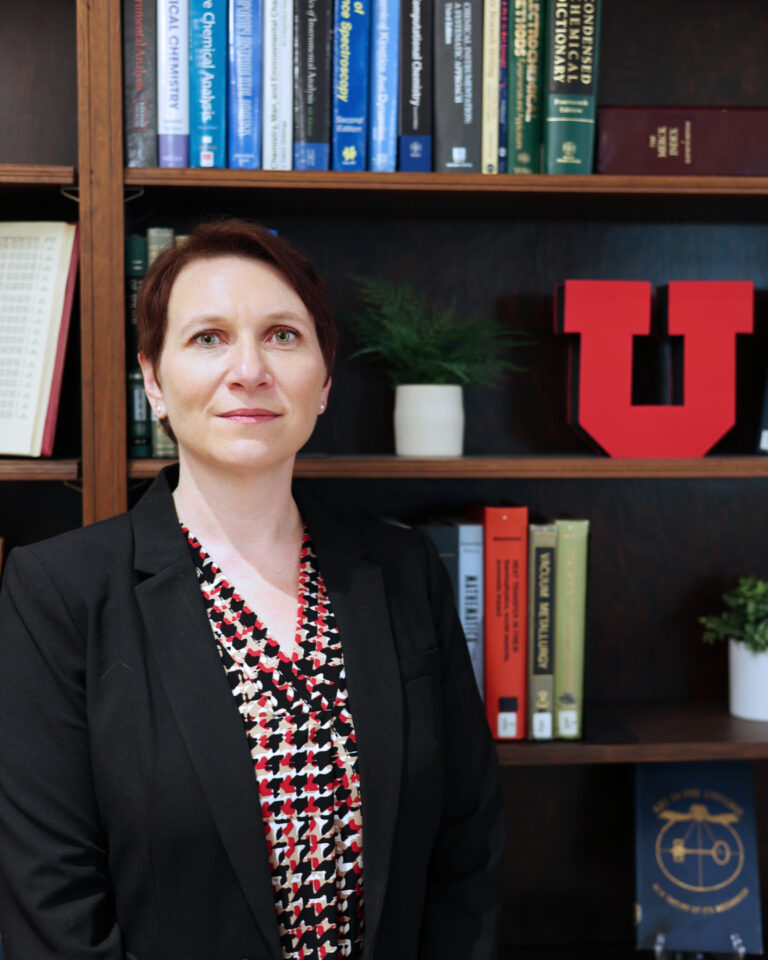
[573, 43]
[542, 539]
[570, 625]
[525, 87]
[139, 429]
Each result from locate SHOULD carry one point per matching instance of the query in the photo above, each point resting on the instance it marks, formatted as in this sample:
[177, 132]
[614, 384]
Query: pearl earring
[322, 406]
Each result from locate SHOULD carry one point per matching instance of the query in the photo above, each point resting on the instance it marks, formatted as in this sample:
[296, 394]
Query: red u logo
[607, 315]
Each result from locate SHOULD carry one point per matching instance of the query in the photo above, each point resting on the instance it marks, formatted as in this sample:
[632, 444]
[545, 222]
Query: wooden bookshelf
[29, 174]
[462, 183]
[21, 469]
[648, 732]
[552, 467]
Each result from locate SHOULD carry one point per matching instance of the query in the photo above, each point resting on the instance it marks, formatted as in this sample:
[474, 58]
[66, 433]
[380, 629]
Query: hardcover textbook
[696, 864]
[38, 268]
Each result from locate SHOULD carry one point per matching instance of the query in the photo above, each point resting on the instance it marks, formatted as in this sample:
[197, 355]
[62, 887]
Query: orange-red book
[506, 603]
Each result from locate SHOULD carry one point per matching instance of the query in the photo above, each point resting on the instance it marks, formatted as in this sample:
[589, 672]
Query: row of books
[383, 85]
[521, 594]
[146, 437]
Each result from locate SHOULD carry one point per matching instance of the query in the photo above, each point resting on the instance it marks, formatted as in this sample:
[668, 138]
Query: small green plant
[745, 617]
[419, 342]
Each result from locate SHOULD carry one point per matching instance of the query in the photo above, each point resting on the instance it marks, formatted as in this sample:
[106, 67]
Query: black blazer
[130, 826]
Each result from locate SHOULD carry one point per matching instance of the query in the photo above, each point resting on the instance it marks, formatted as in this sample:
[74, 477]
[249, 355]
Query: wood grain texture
[102, 262]
[21, 174]
[38, 78]
[19, 470]
[653, 732]
[449, 183]
[563, 468]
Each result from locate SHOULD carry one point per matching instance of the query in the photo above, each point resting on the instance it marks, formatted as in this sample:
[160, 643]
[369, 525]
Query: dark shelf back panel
[38, 77]
[691, 52]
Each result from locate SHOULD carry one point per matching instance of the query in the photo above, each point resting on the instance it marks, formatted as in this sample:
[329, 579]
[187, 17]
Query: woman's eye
[207, 339]
[286, 335]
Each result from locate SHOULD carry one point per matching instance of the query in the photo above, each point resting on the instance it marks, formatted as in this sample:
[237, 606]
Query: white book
[277, 141]
[38, 267]
[470, 599]
[173, 83]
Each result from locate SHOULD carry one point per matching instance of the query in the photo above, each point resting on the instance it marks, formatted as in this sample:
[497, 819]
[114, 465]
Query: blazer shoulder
[79, 556]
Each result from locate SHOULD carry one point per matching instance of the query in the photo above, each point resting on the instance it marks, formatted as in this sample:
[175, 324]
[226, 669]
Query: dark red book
[702, 141]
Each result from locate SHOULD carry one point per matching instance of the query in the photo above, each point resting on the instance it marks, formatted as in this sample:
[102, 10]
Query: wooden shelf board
[648, 732]
[448, 182]
[21, 469]
[21, 174]
[566, 468]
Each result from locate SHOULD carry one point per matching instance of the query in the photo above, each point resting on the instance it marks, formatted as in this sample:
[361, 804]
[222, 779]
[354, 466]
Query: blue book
[208, 83]
[244, 104]
[696, 861]
[385, 56]
[503, 81]
[351, 42]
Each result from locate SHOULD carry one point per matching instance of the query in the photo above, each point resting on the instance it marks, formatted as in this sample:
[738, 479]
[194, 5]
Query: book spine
[57, 373]
[762, 434]
[573, 44]
[244, 104]
[503, 83]
[140, 82]
[489, 154]
[277, 137]
[383, 83]
[208, 83]
[541, 622]
[139, 431]
[351, 46]
[470, 595]
[570, 625]
[415, 112]
[173, 83]
[458, 39]
[526, 79]
[139, 424]
[163, 448]
[312, 51]
[506, 578]
[695, 141]
[158, 239]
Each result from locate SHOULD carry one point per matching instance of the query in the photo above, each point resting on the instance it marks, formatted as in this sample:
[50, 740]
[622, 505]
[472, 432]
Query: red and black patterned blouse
[302, 740]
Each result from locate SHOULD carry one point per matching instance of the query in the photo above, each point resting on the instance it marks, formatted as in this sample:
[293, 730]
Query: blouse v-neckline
[238, 599]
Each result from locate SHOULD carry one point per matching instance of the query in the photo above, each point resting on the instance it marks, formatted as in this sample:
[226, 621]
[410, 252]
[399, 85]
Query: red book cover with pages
[506, 602]
[52, 413]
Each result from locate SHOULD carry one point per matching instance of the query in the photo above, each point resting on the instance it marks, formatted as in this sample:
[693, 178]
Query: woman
[236, 726]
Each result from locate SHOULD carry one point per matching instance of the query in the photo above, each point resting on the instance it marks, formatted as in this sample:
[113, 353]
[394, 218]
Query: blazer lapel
[358, 599]
[200, 698]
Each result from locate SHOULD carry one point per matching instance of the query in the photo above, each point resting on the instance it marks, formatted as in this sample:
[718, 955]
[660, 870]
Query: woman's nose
[250, 366]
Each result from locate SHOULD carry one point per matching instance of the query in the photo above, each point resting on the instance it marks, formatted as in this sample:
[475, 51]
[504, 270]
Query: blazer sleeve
[55, 900]
[463, 899]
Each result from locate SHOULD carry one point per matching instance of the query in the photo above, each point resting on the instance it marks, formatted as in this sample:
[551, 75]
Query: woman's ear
[324, 394]
[152, 387]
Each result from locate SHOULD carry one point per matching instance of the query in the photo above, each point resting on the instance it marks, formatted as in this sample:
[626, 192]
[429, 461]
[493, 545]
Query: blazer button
[363, 610]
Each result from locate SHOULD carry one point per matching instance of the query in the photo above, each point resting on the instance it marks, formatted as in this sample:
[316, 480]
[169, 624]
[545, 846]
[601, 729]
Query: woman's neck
[246, 511]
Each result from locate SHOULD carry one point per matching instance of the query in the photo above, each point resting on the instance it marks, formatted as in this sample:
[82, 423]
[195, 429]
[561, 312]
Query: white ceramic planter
[429, 420]
[748, 682]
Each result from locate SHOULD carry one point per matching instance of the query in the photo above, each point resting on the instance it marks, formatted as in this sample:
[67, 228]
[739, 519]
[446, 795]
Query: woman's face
[241, 375]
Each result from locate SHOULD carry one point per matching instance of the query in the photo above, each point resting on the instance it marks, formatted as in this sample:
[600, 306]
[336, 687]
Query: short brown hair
[223, 238]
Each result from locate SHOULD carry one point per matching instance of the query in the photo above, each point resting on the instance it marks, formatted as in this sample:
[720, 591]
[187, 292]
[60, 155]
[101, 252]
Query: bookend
[739, 950]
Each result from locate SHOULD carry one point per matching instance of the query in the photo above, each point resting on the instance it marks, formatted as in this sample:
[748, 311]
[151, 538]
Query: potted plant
[430, 353]
[744, 623]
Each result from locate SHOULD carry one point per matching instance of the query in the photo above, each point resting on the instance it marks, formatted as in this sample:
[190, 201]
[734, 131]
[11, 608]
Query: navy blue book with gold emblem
[696, 862]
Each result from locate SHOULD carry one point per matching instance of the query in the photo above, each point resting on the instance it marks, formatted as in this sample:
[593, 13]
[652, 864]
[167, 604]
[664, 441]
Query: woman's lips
[245, 415]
